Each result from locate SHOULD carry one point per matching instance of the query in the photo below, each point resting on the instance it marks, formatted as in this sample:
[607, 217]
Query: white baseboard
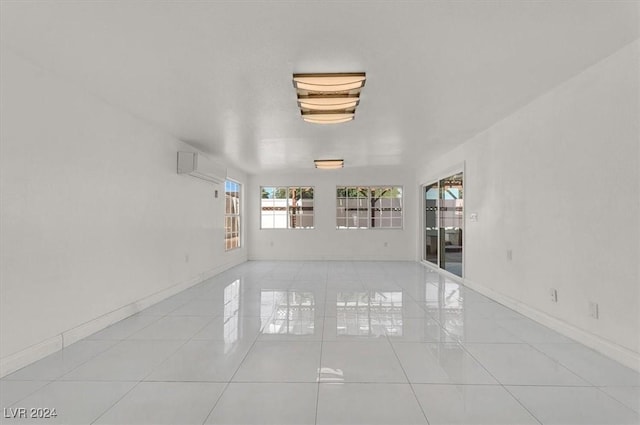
[329, 257]
[621, 354]
[42, 349]
[29, 355]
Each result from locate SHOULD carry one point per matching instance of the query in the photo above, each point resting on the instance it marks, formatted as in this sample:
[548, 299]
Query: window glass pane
[307, 192]
[267, 192]
[280, 193]
[451, 223]
[287, 207]
[363, 207]
[232, 214]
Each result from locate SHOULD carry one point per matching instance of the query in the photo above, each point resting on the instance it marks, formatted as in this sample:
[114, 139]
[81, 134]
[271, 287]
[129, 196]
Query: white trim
[29, 355]
[333, 257]
[618, 353]
[49, 346]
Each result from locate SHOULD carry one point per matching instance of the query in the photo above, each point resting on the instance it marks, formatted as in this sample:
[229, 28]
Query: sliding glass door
[444, 223]
[431, 223]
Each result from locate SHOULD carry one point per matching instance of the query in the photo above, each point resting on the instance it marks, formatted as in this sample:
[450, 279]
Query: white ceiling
[218, 74]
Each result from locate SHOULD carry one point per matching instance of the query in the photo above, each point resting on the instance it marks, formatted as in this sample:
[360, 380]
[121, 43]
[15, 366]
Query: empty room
[320, 212]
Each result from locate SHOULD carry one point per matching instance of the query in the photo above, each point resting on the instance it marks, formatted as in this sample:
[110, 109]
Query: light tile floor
[326, 343]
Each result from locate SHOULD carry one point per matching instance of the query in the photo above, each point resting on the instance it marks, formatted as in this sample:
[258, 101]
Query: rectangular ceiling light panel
[328, 98]
[328, 164]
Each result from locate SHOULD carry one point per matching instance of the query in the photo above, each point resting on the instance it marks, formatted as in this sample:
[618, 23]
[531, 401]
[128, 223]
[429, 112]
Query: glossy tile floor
[326, 343]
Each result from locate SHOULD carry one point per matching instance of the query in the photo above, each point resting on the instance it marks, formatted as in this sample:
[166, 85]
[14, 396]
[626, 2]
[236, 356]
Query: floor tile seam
[222, 381]
[558, 362]
[497, 384]
[282, 338]
[415, 395]
[111, 347]
[175, 350]
[88, 338]
[138, 382]
[316, 381]
[174, 308]
[319, 374]
[600, 390]
[286, 341]
[159, 317]
[158, 339]
[494, 343]
[231, 378]
[549, 385]
[6, 379]
[130, 338]
[502, 385]
[31, 393]
[602, 386]
[512, 333]
[115, 403]
[200, 329]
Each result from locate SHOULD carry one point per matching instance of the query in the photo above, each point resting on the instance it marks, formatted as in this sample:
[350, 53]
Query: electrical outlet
[509, 254]
[554, 295]
[593, 310]
[473, 217]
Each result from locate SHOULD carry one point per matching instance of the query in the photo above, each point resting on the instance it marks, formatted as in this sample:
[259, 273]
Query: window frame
[288, 208]
[370, 207]
[237, 216]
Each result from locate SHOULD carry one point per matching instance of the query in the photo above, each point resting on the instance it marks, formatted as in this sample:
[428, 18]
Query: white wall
[558, 183]
[95, 220]
[325, 242]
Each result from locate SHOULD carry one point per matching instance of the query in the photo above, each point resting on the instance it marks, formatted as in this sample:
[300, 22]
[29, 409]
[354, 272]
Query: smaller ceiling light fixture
[328, 98]
[328, 164]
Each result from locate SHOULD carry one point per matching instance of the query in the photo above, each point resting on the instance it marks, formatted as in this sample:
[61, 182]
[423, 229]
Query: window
[369, 207]
[285, 207]
[231, 215]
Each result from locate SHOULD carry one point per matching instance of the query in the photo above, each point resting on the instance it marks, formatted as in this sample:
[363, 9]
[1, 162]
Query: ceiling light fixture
[328, 98]
[324, 103]
[329, 164]
[317, 121]
[327, 117]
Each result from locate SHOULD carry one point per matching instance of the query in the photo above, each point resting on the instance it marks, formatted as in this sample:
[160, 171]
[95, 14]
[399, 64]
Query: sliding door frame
[436, 178]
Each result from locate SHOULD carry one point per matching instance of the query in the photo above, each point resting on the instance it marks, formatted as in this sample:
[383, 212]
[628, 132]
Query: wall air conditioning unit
[199, 166]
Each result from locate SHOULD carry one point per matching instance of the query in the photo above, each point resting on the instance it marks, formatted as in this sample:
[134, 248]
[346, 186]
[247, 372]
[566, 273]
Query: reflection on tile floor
[326, 343]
